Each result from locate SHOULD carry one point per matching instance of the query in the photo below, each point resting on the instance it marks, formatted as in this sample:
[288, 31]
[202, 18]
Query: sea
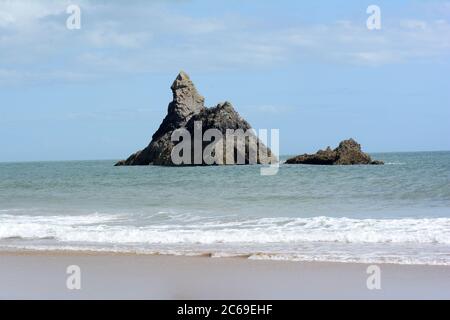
[397, 213]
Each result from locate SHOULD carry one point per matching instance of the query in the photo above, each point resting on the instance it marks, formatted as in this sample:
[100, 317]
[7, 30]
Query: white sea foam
[404, 241]
[395, 163]
[417, 260]
[98, 228]
[340, 257]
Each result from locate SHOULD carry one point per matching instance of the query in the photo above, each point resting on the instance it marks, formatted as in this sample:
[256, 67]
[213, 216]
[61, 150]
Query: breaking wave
[102, 228]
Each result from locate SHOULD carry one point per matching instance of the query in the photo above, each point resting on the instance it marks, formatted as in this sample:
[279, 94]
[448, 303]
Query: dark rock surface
[347, 153]
[186, 108]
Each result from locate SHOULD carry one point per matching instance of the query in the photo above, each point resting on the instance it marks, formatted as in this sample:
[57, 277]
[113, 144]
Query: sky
[311, 69]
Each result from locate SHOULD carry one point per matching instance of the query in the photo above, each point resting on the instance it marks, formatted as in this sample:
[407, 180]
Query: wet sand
[42, 275]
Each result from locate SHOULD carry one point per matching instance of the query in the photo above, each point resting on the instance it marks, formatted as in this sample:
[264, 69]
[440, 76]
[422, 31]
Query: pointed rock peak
[182, 81]
[186, 99]
[184, 90]
[183, 75]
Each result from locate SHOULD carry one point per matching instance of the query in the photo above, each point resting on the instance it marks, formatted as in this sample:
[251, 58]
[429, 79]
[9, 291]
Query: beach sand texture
[42, 275]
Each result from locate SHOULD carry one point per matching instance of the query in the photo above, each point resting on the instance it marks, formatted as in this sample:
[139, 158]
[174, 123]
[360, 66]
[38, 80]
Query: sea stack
[185, 111]
[347, 153]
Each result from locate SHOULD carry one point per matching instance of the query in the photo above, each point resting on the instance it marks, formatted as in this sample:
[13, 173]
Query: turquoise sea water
[397, 213]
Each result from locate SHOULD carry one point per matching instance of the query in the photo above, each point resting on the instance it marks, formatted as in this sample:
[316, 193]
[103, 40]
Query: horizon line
[118, 159]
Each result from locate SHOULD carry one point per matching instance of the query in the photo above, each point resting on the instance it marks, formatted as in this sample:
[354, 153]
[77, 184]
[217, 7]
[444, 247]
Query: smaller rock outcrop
[347, 153]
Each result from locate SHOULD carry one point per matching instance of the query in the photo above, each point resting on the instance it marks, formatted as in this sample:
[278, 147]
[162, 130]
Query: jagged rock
[186, 102]
[186, 109]
[347, 153]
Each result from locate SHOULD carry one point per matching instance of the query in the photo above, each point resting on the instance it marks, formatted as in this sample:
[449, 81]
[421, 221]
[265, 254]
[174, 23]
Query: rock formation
[347, 153]
[186, 109]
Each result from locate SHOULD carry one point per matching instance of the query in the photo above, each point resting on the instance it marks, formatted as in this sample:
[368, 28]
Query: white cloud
[26, 13]
[413, 24]
[351, 43]
[13, 77]
[103, 38]
[6, 19]
[146, 37]
[375, 57]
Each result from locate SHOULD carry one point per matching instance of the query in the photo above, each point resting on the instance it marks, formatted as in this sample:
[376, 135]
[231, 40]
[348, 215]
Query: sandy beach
[42, 275]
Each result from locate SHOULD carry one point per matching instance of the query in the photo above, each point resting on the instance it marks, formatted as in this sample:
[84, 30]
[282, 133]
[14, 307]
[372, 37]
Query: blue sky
[312, 70]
